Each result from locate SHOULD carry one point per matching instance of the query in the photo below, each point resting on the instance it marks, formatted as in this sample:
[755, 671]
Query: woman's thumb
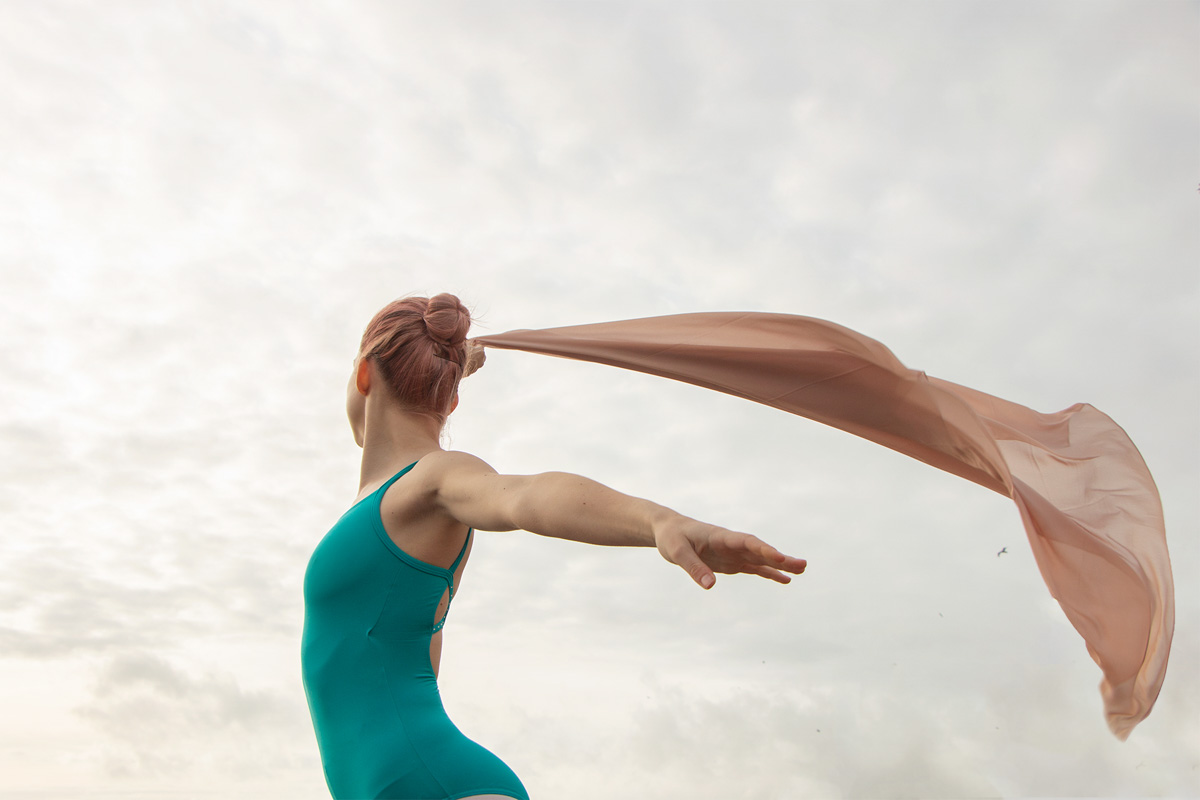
[699, 571]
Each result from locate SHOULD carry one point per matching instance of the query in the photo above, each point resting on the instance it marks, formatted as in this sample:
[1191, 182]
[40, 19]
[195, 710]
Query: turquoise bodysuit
[368, 619]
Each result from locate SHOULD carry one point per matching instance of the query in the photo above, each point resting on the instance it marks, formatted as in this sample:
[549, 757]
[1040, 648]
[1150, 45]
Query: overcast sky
[202, 204]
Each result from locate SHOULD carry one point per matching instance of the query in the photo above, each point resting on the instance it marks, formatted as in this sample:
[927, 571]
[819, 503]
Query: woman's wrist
[662, 520]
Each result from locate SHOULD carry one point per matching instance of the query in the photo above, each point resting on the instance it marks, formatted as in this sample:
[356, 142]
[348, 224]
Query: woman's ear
[362, 377]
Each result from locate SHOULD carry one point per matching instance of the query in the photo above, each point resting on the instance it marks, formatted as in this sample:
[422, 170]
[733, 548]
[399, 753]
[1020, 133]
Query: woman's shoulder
[416, 493]
[440, 466]
[438, 475]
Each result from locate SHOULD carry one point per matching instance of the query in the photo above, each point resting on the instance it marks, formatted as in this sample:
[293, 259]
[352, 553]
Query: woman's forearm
[572, 507]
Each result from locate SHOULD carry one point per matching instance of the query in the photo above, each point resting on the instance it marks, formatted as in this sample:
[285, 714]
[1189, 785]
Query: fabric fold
[1089, 505]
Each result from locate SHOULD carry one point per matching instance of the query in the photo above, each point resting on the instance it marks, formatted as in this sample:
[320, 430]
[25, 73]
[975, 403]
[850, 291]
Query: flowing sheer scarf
[1091, 510]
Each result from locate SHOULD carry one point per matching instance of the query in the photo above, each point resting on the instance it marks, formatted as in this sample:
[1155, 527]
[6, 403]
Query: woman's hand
[702, 549]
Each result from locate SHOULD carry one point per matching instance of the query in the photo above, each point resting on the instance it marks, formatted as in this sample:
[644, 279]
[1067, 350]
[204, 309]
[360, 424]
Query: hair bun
[447, 321]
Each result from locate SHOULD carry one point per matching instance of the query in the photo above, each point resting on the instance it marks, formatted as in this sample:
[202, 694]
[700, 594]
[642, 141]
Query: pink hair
[419, 345]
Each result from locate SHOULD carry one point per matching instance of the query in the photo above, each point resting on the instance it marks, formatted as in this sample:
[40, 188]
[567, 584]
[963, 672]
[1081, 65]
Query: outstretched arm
[572, 507]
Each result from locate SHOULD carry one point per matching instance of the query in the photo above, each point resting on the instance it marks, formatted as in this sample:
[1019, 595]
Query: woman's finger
[768, 554]
[771, 573]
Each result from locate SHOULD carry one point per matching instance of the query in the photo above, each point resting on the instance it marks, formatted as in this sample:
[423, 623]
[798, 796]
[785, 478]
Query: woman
[380, 583]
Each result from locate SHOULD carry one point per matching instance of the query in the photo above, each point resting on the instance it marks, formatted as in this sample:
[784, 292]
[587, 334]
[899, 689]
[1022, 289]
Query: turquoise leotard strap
[449, 574]
[437, 626]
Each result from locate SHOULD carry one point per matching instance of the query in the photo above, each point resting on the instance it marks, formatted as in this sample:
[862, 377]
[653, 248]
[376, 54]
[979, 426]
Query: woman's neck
[394, 438]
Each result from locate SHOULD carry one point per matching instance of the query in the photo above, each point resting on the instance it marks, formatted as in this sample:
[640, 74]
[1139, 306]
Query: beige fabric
[1090, 507]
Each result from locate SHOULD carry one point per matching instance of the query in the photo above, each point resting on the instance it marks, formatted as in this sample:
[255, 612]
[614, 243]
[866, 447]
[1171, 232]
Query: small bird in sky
[1003, 550]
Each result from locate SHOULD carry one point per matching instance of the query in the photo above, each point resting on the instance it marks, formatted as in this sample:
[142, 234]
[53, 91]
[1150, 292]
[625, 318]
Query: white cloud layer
[201, 206]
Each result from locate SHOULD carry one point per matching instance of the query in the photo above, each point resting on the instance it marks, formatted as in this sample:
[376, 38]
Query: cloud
[159, 720]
